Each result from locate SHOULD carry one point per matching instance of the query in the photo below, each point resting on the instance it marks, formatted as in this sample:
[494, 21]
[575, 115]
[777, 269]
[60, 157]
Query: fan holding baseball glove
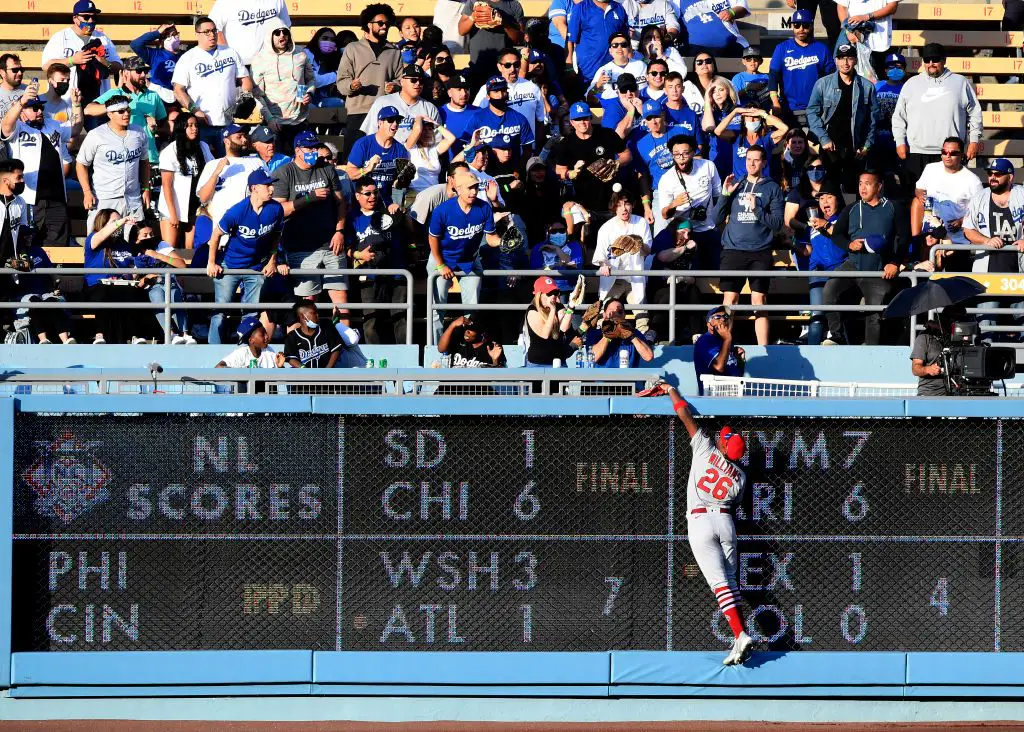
[486, 16]
[617, 342]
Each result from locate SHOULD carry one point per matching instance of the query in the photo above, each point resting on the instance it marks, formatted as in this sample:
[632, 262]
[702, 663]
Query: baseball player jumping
[713, 490]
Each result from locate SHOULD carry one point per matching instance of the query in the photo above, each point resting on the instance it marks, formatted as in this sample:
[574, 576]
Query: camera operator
[926, 361]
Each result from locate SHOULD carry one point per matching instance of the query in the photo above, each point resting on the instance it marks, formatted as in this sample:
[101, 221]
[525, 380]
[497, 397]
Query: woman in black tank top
[547, 323]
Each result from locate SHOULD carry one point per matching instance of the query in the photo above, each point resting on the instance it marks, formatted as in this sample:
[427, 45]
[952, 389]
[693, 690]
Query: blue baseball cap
[471, 152]
[652, 108]
[579, 110]
[260, 177]
[261, 134]
[535, 56]
[718, 309]
[232, 129]
[895, 59]
[85, 6]
[496, 83]
[246, 326]
[306, 139]
[802, 16]
[501, 142]
[1000, 165]
[388, 112]
[874, 242]
[35, 102]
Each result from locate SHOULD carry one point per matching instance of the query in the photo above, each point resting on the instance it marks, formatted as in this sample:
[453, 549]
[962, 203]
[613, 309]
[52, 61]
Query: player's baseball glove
[603, 169]
[626, 244]
[590, 316]
[617, 329]
[485, 16]
[405, 171]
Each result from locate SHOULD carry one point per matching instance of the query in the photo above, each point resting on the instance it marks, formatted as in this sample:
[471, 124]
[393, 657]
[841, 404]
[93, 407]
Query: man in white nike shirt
[523, 95]
[932, 107]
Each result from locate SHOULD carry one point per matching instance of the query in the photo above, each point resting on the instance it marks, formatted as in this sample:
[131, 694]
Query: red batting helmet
[734, 444]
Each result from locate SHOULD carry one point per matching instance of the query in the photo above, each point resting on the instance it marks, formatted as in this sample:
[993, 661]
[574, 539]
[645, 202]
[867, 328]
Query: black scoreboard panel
[173, 532]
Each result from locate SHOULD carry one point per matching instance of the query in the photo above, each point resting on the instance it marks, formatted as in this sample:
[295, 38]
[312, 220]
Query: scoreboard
[170, 532]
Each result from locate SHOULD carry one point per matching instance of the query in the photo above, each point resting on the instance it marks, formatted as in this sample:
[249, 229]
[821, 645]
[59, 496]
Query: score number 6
[716, 484]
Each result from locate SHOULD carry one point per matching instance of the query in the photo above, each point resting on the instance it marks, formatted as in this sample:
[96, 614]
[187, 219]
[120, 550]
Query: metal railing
[672, 306]
[168, 306]
[331, 382]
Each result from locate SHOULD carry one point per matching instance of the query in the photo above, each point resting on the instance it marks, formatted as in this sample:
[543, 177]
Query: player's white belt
[711, 509]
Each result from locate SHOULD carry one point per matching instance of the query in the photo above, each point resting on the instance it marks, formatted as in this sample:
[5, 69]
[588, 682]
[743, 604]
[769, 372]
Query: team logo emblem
[599, 151]
[66, 478]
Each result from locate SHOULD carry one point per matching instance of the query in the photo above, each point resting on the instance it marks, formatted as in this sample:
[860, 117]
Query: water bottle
[590, 359]
[623, 358]
[580, 360]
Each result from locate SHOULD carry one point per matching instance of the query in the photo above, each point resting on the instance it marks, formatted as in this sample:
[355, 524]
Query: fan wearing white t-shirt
[65, 47]
[623, 62]
[426, 144]
[253, 353]
[205, 82]
[224, 182]
[950, 186]
[621, 223]
[879, 12]
[524, 96]
[243, 23]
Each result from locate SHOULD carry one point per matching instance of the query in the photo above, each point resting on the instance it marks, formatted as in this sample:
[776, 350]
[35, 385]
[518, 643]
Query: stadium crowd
[602, 136]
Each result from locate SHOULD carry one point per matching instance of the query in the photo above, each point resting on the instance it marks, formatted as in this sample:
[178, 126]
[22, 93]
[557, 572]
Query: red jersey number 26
[715, 483]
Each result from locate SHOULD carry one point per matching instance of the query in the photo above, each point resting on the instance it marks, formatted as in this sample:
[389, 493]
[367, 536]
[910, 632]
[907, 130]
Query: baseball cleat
[742, 648]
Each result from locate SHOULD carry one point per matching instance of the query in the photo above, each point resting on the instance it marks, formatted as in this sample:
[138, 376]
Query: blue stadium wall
[535, 547]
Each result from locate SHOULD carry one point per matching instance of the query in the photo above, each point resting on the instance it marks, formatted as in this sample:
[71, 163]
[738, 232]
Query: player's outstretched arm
[682, 411]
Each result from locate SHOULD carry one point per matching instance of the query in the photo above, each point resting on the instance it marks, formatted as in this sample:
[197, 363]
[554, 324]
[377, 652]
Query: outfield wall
[342, 546]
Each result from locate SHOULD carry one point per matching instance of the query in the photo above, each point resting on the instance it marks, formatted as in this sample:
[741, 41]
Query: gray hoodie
[930, 110]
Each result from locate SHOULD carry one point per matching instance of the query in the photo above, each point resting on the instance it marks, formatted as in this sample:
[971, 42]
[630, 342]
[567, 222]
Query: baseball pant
[713, 541]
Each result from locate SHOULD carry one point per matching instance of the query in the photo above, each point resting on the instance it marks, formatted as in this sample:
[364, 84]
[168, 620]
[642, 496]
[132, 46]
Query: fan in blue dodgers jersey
[713, 490]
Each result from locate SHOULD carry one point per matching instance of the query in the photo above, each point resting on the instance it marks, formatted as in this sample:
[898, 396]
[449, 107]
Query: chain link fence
[507, 533]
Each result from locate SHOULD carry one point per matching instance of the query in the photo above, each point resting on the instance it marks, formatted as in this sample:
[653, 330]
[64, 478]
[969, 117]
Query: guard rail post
[167, 308]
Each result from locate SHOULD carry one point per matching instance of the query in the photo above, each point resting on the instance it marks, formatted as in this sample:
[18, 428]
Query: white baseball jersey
[523, 96]
[244, 23]
[66, 43]
[714, 480]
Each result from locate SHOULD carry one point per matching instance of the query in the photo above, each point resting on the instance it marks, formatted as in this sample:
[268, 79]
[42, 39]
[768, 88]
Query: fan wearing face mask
[887, 91]
[36, 141]
[759, 128]
[160, 49]
[324, 56]
[91, 56]
[66, 113]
